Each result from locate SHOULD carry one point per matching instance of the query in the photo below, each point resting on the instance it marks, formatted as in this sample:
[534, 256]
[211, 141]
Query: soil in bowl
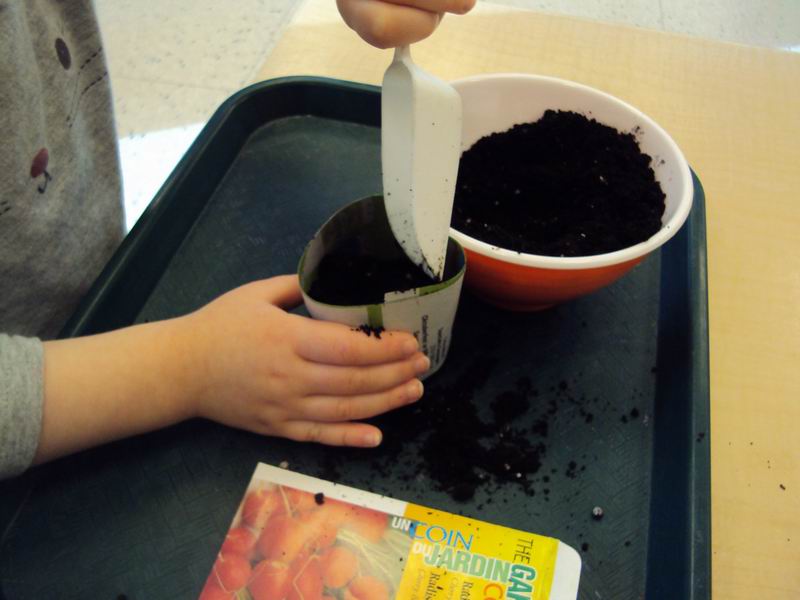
[564, 185]
[351, 275]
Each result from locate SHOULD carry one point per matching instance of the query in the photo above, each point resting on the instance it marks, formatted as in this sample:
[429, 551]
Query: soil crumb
[368, 331]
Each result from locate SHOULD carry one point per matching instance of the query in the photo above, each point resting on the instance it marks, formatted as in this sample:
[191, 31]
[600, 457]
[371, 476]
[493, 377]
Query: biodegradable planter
[426, 311]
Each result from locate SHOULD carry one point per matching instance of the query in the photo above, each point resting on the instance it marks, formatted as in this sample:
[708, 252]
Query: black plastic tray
[144, 517]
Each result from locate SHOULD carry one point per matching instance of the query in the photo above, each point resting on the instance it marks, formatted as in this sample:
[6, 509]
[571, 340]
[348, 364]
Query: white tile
[172, 64]
[144, 106]
[770, 23]
[147, 160]
[198, 42]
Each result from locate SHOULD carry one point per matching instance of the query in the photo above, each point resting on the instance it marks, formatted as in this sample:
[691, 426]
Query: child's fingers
[284, 291]
[335, 344]
[387, 25]
[458, 7]
[333, 434]
[334, 409]
[354, 381]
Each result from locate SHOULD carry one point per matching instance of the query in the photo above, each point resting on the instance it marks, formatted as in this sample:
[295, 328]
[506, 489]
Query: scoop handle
[402, 54]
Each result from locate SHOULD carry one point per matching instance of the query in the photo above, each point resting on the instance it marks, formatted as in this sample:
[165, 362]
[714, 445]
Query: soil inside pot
[350, 275]
[564, 185]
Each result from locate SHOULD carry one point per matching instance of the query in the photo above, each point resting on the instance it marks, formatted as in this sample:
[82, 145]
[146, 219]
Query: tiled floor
[172, 63]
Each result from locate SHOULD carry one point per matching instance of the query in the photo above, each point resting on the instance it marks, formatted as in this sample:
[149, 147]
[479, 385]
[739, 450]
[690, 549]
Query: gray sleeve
[21, 399]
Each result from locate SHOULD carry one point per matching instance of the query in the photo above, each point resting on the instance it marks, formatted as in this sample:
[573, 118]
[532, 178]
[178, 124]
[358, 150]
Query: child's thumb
[282, 291]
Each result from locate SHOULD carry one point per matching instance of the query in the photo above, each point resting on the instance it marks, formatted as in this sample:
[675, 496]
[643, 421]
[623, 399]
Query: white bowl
[495, 103]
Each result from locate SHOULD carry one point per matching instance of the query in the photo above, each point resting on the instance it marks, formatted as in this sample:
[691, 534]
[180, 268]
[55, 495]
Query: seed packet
[295, 537]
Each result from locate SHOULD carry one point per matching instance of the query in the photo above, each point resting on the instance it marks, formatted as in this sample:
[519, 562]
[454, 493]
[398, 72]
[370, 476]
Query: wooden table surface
[735, 112]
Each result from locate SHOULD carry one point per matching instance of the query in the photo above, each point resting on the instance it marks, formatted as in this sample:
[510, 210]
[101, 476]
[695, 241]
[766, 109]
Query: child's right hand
[392, 23]
[241, 360]
[260, 368]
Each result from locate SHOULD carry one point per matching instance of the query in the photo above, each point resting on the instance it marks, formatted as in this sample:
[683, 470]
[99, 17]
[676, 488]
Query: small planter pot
[348, 271]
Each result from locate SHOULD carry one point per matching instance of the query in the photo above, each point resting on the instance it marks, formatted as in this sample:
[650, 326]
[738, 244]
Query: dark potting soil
[348, 276]
[460, 450]
[368, 330]
[565, 185]
[464, 443]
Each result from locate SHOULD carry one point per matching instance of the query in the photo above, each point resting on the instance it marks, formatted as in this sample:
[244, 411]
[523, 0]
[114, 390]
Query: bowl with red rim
[526, 282]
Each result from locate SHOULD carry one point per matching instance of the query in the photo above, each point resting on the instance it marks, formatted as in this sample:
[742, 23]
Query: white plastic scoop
[420, 150]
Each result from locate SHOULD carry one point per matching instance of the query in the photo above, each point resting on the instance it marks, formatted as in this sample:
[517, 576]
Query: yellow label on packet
[454, 557]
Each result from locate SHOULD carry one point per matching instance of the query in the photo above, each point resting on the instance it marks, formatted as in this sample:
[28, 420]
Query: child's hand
[241, 360]
[262, 369]
[391, 23]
